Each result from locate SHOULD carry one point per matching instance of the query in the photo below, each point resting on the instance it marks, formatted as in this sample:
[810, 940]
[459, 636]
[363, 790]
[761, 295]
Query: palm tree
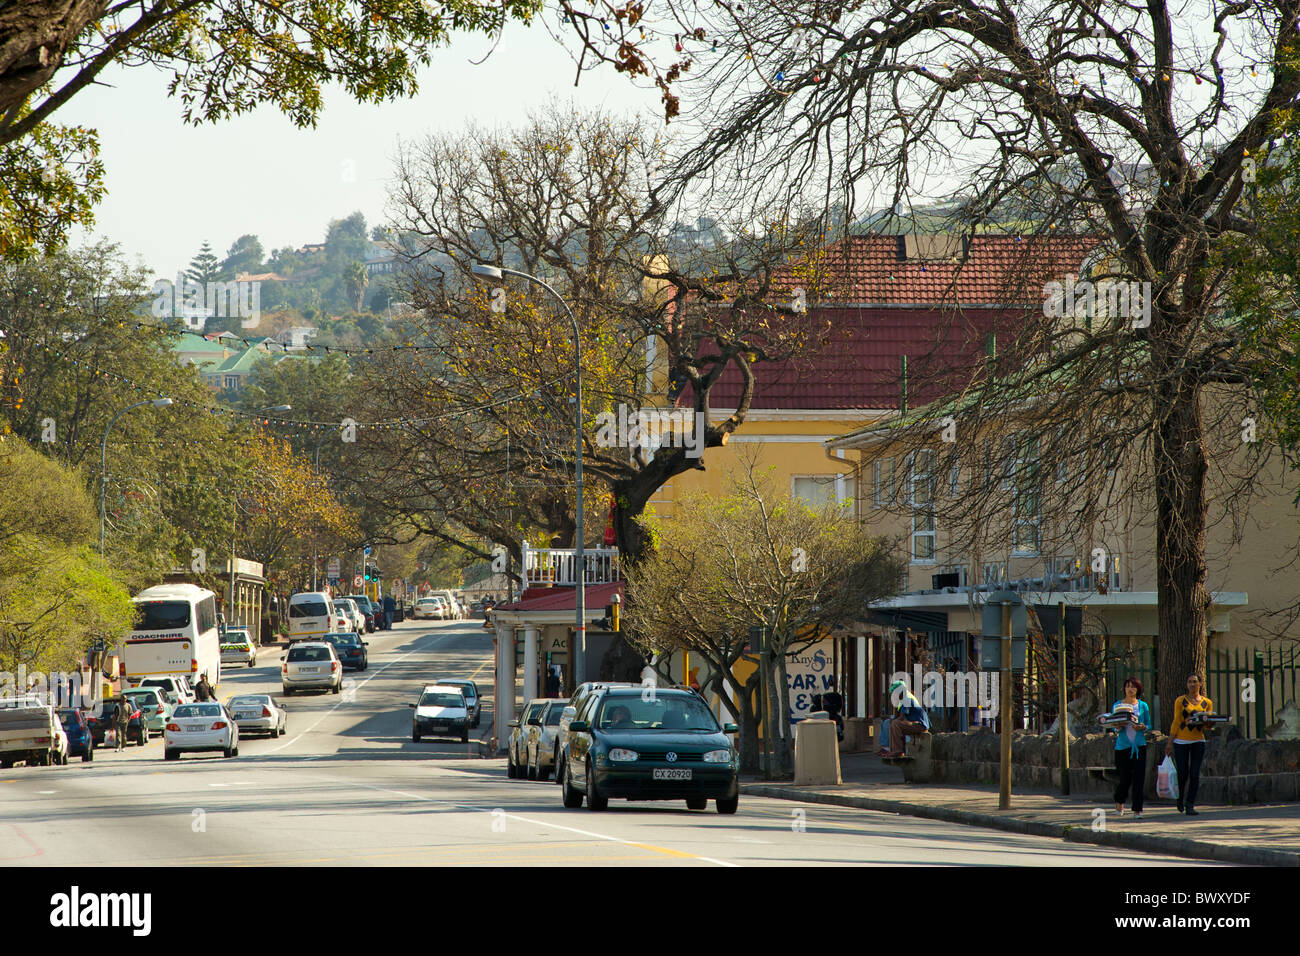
[357, 279]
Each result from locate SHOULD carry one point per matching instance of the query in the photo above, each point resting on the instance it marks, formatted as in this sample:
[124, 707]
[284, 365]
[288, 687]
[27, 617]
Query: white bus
[175, 635]
[312, 613]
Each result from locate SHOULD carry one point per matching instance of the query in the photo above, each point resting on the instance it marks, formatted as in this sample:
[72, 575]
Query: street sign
[991, 642]
[367, 551]
[356, 581]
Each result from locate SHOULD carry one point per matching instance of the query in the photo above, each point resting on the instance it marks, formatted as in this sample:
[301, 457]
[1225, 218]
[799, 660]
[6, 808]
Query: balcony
[557, 567]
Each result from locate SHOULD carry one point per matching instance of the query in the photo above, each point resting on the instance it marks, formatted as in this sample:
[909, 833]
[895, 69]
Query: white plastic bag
[1167, 780]
[110, 737]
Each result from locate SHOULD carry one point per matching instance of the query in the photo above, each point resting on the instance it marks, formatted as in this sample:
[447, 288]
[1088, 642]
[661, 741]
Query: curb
[1170, 846]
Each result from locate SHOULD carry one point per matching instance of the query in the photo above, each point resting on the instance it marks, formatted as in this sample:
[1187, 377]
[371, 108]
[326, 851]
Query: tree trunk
[1180, 472]
[785, 738]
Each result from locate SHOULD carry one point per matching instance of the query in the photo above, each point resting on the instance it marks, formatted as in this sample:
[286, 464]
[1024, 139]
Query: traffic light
[370, 572]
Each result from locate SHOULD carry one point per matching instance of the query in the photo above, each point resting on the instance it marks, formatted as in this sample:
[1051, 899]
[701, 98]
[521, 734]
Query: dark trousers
[1187, 761]
[1132, 767]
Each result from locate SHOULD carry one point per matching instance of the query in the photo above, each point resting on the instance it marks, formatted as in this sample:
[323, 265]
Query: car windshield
[553, 716]
[308, 609]
[666, 712]
[198, 710]
[441, 700]
[248, 701]
[309, 654]
[163, 615]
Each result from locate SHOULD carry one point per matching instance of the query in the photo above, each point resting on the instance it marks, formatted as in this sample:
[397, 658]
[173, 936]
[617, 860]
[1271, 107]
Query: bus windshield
[163, 615]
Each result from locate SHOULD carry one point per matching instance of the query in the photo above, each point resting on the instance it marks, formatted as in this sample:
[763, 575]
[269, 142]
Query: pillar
[530, 664]
[504, 701]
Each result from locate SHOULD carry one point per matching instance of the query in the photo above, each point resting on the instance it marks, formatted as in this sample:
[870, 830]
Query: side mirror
[412, 706]
[365, 643]
[579, 727]
[513, 723]
[730, 729]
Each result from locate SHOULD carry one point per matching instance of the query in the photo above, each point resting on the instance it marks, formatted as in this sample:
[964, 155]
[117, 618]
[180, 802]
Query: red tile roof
[882, 306]
[596, 596]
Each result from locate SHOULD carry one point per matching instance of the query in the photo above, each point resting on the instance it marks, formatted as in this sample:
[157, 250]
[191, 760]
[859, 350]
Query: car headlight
[718, 756]
[622, 755]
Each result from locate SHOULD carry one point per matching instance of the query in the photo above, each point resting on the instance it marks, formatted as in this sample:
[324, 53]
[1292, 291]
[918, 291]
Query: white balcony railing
[558, 566]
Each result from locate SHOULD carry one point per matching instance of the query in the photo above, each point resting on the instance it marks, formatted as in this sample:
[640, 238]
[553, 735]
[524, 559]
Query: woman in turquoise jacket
[1131, 747]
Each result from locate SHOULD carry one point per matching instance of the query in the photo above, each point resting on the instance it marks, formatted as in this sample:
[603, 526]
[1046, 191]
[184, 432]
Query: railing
[558, 566]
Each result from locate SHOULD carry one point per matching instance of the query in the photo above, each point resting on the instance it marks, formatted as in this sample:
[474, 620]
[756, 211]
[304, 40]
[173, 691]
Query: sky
[173, 186]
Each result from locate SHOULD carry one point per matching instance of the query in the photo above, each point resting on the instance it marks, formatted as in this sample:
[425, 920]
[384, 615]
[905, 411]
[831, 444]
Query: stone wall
[1235, 770]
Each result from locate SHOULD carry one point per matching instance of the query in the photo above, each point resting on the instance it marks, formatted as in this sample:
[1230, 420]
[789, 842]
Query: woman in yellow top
[1187, 744]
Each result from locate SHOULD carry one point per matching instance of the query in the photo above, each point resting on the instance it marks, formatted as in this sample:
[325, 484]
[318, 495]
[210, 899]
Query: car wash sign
[809, 671]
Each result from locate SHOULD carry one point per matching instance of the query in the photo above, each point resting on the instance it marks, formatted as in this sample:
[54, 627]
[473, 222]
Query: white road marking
[544, 823]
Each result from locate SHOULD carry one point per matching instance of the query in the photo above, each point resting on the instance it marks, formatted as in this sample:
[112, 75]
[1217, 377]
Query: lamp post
[103, 460]
[580, 632]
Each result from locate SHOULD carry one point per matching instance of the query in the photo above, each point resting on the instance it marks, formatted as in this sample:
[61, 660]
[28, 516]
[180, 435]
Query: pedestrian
[1187, 744]
[203, 690]
[910, 718]
[390, 606]
[553, 682]
[1131, 747]
[122, 721]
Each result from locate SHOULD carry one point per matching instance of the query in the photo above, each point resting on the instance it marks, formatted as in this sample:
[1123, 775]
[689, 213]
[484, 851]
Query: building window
[994, 573]
[1028, 500]
[921, 483]
[818, 491]
[954, 477]
[232, 381]
[882, 482]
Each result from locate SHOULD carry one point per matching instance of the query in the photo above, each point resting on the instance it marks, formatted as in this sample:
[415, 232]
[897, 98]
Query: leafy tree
[56, 596]
[224, 57]
[357, 279]
[753, 557]
[245, 255]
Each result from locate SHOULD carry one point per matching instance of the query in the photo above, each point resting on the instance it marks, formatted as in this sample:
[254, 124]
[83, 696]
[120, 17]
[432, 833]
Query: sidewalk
[1252, 834]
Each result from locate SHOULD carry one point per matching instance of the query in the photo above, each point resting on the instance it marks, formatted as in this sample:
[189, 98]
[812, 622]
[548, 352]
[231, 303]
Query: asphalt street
[346, 785]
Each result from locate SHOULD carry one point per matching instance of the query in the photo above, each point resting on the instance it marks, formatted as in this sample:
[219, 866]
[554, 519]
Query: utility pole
[1064, 722]
[1004, 788]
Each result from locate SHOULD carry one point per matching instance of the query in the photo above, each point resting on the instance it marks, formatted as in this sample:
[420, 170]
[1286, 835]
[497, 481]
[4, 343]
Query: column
[861, 678]
[504, 704]
[530, 664]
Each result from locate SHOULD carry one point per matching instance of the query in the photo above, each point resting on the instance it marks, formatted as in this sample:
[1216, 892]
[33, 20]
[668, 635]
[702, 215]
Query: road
[347, 786]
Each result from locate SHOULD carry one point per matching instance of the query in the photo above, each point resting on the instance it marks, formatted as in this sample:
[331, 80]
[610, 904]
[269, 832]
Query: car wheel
[229, 752]
[415, 736]
[464, 737]
[89, 755]
[697, 803]
[287, 692]
[253, 662]
[531, 772]
[170, 754]
[572, 798]
[511, 770]
[336, 688]
[594, 800]
[728, 804]
[543, 773]
[236, 750]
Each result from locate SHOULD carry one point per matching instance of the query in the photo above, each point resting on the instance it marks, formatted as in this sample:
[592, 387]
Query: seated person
[619, 718]
[911, 718]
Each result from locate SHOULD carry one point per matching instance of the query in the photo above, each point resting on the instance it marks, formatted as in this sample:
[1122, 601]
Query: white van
[311, 615]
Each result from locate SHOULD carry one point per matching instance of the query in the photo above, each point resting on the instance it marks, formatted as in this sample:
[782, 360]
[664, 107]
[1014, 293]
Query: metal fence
[1249, 686]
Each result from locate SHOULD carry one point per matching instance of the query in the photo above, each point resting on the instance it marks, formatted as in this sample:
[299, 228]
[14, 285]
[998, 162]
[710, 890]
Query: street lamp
[103, 460]
[580, 636]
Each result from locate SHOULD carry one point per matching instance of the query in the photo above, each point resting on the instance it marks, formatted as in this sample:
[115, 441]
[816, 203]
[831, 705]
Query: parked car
[195, 728]
[624, 744]
[311, 665]
[516, 747]
[81, 742]
[351, 650]
[153, 705]
[257, 714]
[31, 733]
[137, 729]
[353, 612]
[542, 744]
[472, 699]
[176, 690]
[238, 647]
[367, 608]
[440, 712]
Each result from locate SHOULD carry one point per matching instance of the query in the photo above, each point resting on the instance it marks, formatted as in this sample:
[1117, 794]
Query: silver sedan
[257, 714]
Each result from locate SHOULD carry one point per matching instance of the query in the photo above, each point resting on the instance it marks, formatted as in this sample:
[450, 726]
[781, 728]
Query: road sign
[367, 552]
[990, 643]
[334, 567]
[357, 582]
